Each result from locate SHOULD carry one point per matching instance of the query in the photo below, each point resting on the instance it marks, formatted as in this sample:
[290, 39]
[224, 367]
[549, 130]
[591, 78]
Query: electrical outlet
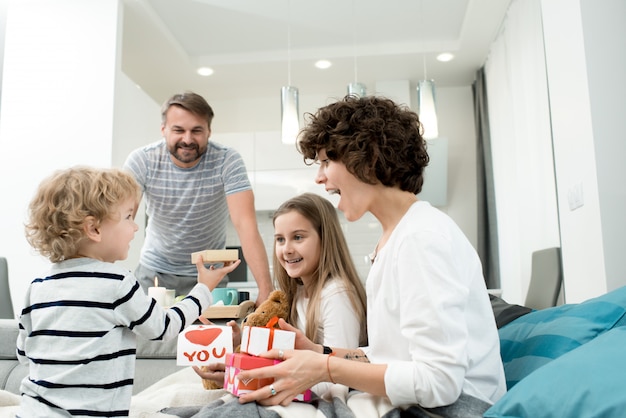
[575, 196]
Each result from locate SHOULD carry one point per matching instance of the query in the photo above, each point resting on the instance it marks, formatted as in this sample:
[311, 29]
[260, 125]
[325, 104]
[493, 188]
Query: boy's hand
[213, 372]
[210, 277]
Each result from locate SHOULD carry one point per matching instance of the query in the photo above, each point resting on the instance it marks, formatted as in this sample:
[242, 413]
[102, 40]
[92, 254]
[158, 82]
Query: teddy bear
[275, 305]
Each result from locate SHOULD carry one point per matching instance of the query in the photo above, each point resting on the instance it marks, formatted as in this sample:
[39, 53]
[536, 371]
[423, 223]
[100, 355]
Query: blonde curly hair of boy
[63, 200]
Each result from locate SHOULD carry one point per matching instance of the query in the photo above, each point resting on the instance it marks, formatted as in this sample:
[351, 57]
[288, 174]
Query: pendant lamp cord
[288, 43]
[354, 29]
[423, 37]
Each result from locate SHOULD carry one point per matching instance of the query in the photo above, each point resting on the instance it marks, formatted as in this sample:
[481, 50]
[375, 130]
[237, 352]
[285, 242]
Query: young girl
[79, 323]
[313, 266]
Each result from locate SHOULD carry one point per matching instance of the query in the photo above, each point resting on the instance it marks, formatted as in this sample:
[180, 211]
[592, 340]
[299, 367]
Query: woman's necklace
[372, 255]
[383, 239]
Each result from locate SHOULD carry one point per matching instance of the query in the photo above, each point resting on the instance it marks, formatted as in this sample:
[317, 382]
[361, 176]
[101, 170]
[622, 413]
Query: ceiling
[257, 46]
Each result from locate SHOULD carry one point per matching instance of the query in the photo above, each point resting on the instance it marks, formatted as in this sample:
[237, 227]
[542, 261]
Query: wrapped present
[256, 340]
[204, 344]
[236, 362]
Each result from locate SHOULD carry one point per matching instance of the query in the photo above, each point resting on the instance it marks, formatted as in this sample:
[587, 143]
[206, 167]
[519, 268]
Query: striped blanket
[182, 395]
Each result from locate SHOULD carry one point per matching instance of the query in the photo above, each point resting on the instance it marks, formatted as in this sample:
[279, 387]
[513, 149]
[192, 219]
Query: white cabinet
[272, 154]
[277, 171]
[435, 188]
[273, 187]
[243, 142]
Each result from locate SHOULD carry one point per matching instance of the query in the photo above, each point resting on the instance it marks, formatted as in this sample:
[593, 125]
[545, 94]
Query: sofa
[155, 360]
[565, 361]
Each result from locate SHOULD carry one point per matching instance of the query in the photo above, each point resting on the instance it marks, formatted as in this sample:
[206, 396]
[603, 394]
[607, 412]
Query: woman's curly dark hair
[377, 140]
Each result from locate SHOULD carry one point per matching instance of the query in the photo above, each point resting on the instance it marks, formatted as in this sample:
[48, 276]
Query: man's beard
[187, 157]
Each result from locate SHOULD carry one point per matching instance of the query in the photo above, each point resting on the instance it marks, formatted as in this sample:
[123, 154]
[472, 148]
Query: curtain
[487, 220]
[520, 140]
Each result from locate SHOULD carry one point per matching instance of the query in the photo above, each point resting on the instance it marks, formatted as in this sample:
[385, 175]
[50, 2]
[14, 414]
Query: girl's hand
[236, 333]
[210, 277]
[302, 342]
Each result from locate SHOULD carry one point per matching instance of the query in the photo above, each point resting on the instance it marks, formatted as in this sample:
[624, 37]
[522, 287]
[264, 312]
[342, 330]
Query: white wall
[137, 121]
[57, 108]
[604, 30]
[575, 156]
[3, 22]
[60, 108]
[455, 110]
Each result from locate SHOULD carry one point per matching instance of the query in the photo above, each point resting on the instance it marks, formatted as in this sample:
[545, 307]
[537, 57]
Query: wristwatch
[326, 350]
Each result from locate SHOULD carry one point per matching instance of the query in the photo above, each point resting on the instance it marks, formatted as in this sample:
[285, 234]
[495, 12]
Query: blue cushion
[537, 338]
[586, 382]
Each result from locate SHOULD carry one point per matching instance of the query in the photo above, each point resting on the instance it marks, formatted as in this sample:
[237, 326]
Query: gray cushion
[8, 331]
[156, 349]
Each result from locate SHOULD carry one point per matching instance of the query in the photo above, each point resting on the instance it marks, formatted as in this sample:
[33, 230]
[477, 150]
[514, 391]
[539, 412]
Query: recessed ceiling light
[445, 57]
[205, 71]
[323, 64]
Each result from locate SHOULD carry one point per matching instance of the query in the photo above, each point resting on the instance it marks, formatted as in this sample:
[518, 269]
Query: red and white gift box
[236, 362]
[257, 340]
[204, 344]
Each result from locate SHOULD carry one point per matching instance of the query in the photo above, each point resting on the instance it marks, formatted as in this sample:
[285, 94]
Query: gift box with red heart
[236, 362]
[256, 340]
[204, 344]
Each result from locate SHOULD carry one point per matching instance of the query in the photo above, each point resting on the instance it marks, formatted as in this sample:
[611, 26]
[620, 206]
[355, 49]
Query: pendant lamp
[427, 109]
[290, 123]
[357, 89]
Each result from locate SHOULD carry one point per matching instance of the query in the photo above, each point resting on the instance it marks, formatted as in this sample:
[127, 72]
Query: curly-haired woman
[433, 341]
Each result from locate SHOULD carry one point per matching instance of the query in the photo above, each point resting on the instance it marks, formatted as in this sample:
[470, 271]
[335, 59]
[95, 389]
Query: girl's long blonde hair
[335, 263]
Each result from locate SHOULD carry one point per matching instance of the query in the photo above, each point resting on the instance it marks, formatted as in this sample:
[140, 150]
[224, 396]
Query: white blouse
[429, 317]
[339, 324]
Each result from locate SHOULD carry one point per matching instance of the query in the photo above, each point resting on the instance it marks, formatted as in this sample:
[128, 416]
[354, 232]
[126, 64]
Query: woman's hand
[300, 370]
[210, 277]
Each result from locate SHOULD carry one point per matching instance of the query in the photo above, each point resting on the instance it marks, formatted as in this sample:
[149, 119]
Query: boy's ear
[90, 227]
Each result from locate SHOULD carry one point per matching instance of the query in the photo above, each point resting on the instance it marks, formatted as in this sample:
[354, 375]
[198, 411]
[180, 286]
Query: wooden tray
[229, 312]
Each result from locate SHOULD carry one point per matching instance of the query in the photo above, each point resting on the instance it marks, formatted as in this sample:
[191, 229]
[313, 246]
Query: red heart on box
[203, 336]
